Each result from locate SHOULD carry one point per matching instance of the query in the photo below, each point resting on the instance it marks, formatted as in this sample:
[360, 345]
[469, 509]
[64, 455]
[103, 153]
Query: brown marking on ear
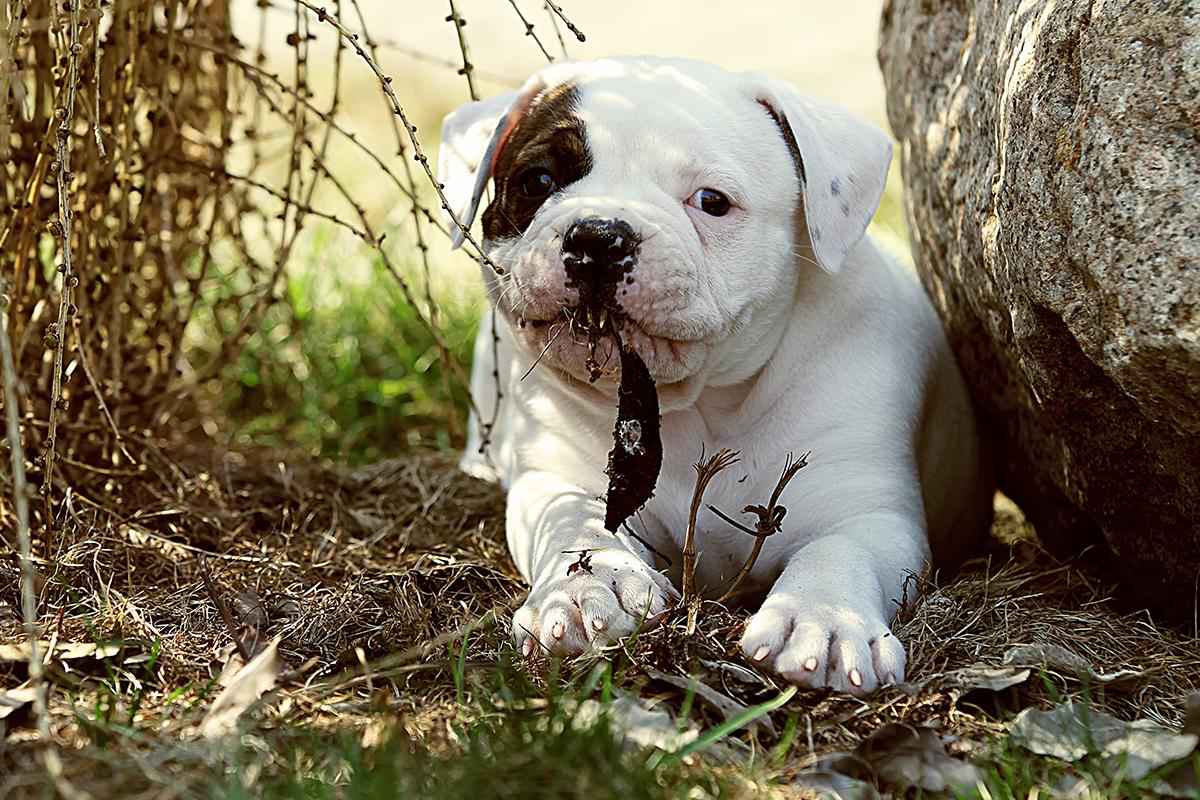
[548, 136]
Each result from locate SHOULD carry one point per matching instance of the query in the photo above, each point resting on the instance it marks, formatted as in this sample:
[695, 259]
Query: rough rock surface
[1051, 155]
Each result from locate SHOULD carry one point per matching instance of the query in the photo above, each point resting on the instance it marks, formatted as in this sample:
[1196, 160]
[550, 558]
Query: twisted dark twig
[770, 520]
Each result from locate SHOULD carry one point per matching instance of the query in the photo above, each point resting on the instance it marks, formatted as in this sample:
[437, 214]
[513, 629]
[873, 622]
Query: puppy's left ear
[842, 162]
[472, 138]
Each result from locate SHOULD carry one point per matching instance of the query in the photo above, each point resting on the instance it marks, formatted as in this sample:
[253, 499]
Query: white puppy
[723, 216]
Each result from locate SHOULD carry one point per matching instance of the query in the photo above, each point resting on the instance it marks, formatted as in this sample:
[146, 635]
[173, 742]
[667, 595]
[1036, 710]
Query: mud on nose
[599, 249]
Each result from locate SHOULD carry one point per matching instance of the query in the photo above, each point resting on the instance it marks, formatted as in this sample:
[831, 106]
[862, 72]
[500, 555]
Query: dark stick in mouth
[636, 456]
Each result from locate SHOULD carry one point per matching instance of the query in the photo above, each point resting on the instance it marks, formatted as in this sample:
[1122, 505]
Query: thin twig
[706, 470]
[385, 85]
[21, 500]
[112, 423]
[485, 427]
[467, 67]
[29, 614]
[226, 615]
[570, 25]
[562, 43]
[770, 520]
[529, 30]
[66, 119]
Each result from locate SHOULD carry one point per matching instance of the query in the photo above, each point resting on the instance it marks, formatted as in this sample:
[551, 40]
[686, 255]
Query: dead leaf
[634, 723]
[1067, 732]
[906, 756]
[738, 672]
[914, 756]
[728, 707]
[1065, 662]
[1145, 746]
[14, 700]
[1072, 730]
[68, 651]
[991, 679]
[969, 679]
[250, 683]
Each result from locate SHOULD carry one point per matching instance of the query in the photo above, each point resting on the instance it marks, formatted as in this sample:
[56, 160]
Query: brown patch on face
[549, 137]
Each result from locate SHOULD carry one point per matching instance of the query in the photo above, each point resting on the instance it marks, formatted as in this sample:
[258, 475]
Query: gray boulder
[1051, 157]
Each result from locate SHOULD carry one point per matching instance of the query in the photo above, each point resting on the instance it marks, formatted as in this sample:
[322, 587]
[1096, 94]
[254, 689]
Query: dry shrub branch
[158, 181]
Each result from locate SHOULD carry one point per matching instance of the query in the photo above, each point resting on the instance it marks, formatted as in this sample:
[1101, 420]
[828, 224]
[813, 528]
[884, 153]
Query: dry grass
[371, 576]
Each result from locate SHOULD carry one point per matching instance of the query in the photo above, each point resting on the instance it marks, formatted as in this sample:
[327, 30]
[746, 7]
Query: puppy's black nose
[607, 244]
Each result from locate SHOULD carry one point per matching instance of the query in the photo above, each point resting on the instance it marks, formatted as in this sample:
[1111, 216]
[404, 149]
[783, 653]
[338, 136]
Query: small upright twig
[99, 53]
[65, 114]
[770, 520]
[226, 615]
[467, 67]
[529, 30]
[558, 12]
[706, 470]
[20, 488]
[562, 43]
[486, 427]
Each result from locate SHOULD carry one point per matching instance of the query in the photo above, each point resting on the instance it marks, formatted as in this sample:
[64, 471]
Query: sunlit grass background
[344, 369]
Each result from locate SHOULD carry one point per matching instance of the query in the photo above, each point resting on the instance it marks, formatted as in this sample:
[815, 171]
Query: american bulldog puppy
[720, 218]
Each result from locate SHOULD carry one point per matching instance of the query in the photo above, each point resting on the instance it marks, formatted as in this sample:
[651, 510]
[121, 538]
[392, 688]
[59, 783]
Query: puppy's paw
[825, 646]
[589, 600]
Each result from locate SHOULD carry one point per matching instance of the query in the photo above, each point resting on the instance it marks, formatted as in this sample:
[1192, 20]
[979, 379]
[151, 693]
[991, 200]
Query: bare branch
[558, 12]
[706, 470]
[65, 116]
[770, 519]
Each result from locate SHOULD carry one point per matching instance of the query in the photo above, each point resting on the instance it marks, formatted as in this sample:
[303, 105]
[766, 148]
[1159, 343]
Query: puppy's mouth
[586, 342]
[587, 326]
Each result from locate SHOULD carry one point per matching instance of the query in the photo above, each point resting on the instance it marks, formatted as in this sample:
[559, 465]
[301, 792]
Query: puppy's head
[672, 200]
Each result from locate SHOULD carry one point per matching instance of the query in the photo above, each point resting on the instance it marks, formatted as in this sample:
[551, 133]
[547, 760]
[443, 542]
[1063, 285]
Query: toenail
[762, 653]
[811, 665]
[856, 677]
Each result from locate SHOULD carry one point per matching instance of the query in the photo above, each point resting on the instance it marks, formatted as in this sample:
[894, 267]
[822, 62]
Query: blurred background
[343, 368]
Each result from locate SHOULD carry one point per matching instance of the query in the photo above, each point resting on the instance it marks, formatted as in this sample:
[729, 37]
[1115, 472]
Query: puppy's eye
[711, 202]
[536, 182]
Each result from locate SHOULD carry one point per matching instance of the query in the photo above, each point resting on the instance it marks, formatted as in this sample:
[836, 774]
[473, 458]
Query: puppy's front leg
[826, 619]
[575, 599]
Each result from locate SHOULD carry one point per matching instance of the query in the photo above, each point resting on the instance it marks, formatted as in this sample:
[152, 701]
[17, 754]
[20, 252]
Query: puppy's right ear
[472, 137]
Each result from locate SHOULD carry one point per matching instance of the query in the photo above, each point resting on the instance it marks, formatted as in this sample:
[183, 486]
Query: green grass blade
[718, 732]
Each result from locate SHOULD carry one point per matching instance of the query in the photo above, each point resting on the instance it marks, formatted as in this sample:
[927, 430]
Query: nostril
[599, 240]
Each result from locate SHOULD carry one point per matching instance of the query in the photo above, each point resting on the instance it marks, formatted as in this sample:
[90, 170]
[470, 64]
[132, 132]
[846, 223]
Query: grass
[542, 749]
[343, 368]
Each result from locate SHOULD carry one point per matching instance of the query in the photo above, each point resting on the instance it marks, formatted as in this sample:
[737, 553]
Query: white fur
[755, 345]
